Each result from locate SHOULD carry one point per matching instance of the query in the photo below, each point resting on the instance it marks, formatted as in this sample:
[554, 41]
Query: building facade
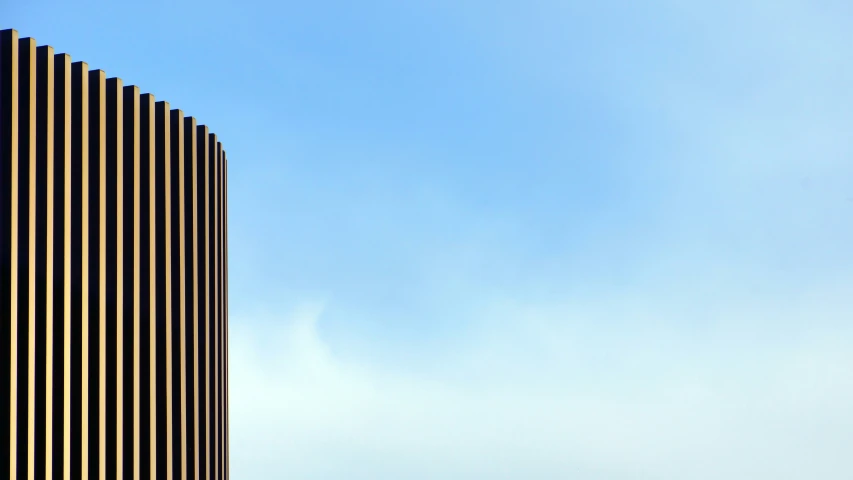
[113, 278]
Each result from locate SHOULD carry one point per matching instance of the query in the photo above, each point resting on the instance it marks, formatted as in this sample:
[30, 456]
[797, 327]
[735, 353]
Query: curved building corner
[113, 278]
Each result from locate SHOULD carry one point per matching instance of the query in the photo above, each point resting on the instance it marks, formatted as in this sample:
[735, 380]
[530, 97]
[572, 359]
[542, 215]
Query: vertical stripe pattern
[113, 278]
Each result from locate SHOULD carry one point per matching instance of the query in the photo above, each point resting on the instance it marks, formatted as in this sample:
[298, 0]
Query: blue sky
[519, 240]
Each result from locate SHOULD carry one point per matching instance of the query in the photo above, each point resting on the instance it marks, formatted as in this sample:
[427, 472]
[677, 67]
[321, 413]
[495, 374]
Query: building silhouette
[113, 278]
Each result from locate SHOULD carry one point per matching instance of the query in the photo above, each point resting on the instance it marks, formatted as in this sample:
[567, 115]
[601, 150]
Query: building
[113, 278]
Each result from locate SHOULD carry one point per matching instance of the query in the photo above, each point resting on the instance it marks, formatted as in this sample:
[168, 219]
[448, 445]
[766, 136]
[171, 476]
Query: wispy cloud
[540, 392]
[702, 334]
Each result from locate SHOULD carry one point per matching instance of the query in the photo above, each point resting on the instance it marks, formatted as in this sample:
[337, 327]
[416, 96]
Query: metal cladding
[113, 278]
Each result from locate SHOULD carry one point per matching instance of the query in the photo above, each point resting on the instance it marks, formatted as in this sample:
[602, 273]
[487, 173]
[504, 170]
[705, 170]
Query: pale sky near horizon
[541, 239]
